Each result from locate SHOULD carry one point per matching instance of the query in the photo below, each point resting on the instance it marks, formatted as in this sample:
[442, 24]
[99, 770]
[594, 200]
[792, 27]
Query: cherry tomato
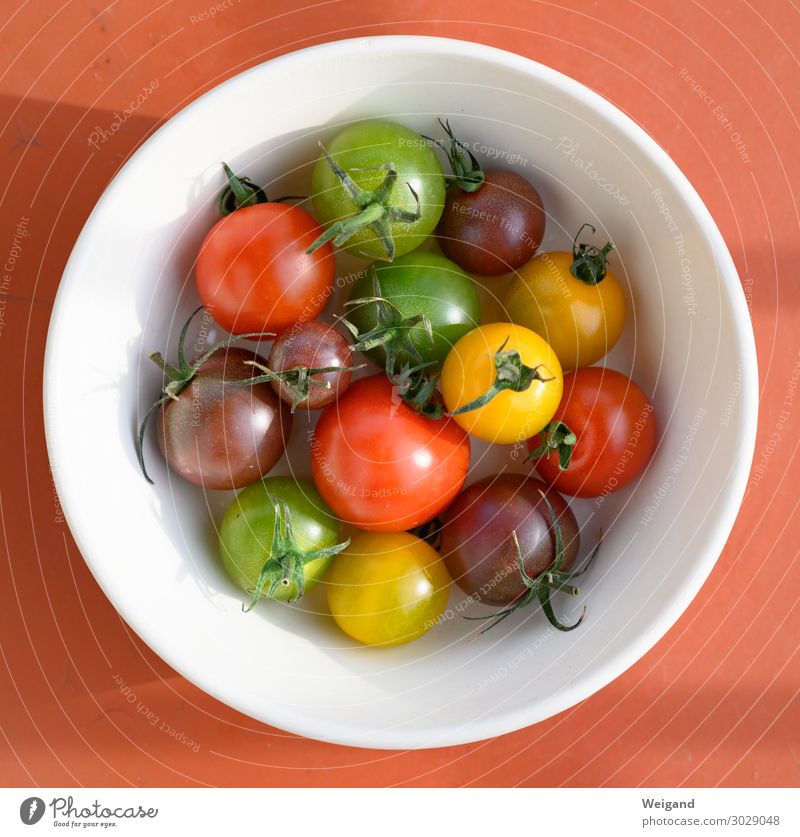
[254, 275]
[581, 316]
[379, 189]
[381, 466]
[414, 286]
[310, 346]
[476, 542]
[615, 427]
[278, 539]
[517, 365]
[493, 221]
[218, 434]
[387, 589]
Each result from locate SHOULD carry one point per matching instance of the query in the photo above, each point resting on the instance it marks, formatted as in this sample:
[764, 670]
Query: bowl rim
[499, 722]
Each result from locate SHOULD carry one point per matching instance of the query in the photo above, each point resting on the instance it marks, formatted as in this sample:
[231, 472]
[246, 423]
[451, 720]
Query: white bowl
[128, 286]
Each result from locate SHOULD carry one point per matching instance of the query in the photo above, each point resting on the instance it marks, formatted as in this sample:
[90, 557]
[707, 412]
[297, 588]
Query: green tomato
[418, 283]
[366, 152]
[247, 538]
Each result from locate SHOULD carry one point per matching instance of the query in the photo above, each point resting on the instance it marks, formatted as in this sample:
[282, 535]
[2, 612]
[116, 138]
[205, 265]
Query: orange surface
[715, 702]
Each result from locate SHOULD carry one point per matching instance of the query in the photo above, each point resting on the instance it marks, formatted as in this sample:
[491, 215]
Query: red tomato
[381, 466]
[253, 273]
[615, 428]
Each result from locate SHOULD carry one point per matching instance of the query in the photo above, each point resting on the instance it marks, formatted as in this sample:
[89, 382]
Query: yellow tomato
[493, 357]
[387, 588]
[581, 321]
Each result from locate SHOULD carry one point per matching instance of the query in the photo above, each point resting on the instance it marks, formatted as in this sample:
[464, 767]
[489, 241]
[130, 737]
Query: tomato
[218, 434]
[573, 301]
[310, 346]
[387, 589]
[213, 429]
[381, 466]
[514, 371]
[493, 220]
[254, 275]
[615, 427]
[278, 539]
[500, 536]
[415, 285]
[379, 189]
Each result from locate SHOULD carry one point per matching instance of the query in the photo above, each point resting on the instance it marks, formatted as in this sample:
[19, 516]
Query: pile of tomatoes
[388, 521]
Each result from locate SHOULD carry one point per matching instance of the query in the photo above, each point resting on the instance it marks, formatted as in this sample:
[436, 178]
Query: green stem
[510, 374]
[467, 172]
[589, 263]
[286, 560]
[556, 436]
[374, 211]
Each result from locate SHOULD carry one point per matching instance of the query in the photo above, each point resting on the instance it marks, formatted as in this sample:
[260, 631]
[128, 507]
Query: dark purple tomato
[315, 346]
[495, 229]
[220, 435]
[476, 536]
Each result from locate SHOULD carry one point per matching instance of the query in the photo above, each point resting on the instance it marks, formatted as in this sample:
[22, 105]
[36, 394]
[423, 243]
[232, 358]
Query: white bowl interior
[687, 343]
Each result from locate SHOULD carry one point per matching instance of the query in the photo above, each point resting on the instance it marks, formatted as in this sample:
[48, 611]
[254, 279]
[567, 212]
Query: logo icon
[31, 810]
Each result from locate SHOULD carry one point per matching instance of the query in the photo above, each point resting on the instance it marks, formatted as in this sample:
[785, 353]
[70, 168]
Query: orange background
[715, 702]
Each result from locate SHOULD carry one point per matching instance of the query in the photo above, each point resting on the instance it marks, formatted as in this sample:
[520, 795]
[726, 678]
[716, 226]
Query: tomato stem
[374, 211]
[467, 172]
[298, 380]
[240, 192]
[589, 263]
[287, 560]
[510, 374]
[180, 377]
[556, 436]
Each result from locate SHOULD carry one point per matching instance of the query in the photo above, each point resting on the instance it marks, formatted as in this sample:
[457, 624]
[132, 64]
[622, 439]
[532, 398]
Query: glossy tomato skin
[253, 273]
[616, 429]
[381, 466]
[476, 543]
[359, 149]
[223, 436]
[387, 589]
[420, 283]
[469, 371]
[246, 531]
[495, 229]
[315, 346]
[581, 322]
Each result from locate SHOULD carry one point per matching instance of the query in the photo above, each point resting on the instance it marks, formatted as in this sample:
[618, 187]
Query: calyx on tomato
[556, 436]
[467, 172]
[392, 332]
[180, 377]
[510, 374]
[589, 261]
[551, 578]
[374, 210]
[241, 192]
[287, 560]
[298, 379]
